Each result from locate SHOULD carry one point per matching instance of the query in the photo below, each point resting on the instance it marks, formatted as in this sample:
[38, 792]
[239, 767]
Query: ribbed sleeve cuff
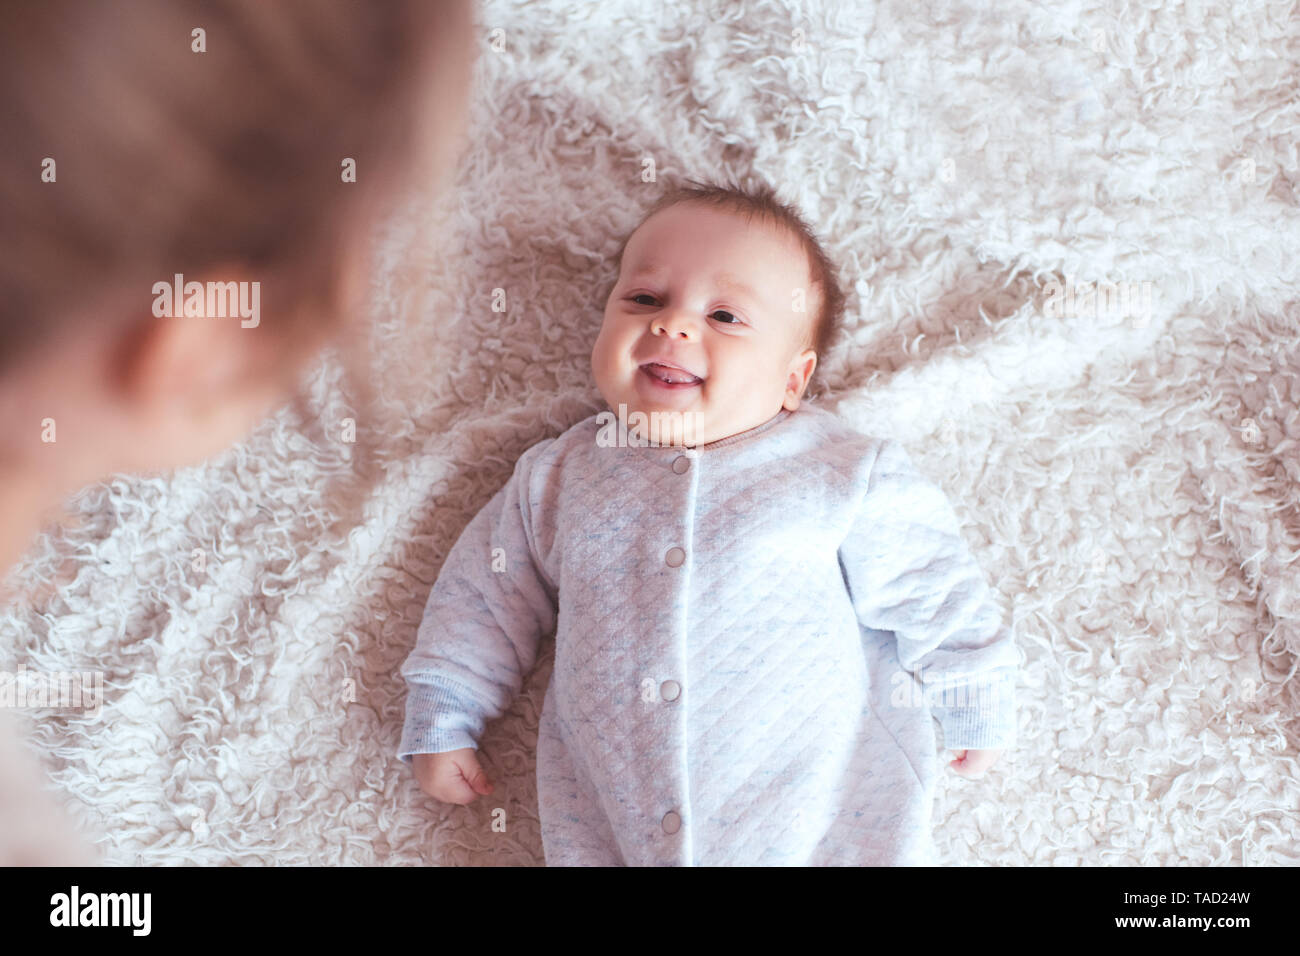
[977, 713]
[440, 716]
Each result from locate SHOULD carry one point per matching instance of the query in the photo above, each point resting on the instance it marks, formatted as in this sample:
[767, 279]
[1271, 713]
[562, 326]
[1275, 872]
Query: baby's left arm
[909, 571]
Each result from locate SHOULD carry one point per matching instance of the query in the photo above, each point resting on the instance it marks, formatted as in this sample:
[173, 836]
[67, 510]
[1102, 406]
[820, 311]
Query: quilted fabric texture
[723, 692]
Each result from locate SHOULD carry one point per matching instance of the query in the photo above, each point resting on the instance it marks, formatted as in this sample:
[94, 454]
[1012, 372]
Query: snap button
[681, 465]
[672, 822]
[675, 557]
[670, 689]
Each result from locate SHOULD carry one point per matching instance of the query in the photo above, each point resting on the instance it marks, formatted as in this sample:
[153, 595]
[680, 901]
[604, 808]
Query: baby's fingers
[472, 775]
[453, 777]
[466, 778]
[454, 790]
[959, 763]
[973, 763]
[479, 782]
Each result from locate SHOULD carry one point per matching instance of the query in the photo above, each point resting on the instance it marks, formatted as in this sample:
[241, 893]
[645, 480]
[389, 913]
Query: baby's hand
[452, 777]
[973, 763]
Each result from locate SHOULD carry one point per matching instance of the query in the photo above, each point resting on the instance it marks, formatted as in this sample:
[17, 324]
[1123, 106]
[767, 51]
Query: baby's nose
[673, 326]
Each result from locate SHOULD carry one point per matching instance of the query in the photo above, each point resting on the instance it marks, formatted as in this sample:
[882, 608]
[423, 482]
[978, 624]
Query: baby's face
[702, 322]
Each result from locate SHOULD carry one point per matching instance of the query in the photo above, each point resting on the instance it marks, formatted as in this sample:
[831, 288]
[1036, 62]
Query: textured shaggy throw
[1126, 467]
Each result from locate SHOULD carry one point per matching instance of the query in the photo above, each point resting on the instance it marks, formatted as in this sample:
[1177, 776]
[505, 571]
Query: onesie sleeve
[909, 571]
[482, 624]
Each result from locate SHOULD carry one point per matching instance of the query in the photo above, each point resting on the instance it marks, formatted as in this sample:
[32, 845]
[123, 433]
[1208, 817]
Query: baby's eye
[733, 321]
[644, 295]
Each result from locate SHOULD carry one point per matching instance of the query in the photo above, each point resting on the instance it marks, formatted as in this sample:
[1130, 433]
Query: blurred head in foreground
[188, 189]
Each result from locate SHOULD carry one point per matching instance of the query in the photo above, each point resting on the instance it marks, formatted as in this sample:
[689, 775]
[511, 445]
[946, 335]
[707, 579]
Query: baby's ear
[801, 369]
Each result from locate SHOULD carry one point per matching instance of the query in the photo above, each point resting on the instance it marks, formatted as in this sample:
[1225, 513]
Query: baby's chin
[658, 422]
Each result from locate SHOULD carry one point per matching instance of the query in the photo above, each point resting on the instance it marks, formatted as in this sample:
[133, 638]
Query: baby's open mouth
[668, 375]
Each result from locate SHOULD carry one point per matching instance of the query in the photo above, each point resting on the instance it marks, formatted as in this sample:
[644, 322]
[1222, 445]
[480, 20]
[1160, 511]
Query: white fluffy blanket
[1129, 481]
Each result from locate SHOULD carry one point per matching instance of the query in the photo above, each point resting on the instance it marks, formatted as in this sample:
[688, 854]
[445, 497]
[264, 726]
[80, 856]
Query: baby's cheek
[606, 343]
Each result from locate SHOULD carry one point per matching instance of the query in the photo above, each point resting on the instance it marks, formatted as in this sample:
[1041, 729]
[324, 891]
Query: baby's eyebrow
[735, 285]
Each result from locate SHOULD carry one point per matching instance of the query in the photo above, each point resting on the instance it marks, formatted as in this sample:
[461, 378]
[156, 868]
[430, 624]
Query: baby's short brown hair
[762, 201]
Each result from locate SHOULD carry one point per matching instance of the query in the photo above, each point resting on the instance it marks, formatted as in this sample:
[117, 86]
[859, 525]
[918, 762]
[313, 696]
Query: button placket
[671, 690]
[676, 557]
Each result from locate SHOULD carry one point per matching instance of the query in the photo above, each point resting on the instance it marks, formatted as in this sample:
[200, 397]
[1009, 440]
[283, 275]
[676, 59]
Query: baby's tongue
[673, 376]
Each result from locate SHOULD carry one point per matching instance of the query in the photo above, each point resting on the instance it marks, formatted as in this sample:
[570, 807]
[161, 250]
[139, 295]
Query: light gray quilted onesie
[743, 634]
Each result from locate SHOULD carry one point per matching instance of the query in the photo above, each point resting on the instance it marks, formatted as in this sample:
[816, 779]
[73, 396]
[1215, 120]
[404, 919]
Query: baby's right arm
[478, 639]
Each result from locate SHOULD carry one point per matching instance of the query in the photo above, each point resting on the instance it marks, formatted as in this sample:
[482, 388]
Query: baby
[756, 620]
